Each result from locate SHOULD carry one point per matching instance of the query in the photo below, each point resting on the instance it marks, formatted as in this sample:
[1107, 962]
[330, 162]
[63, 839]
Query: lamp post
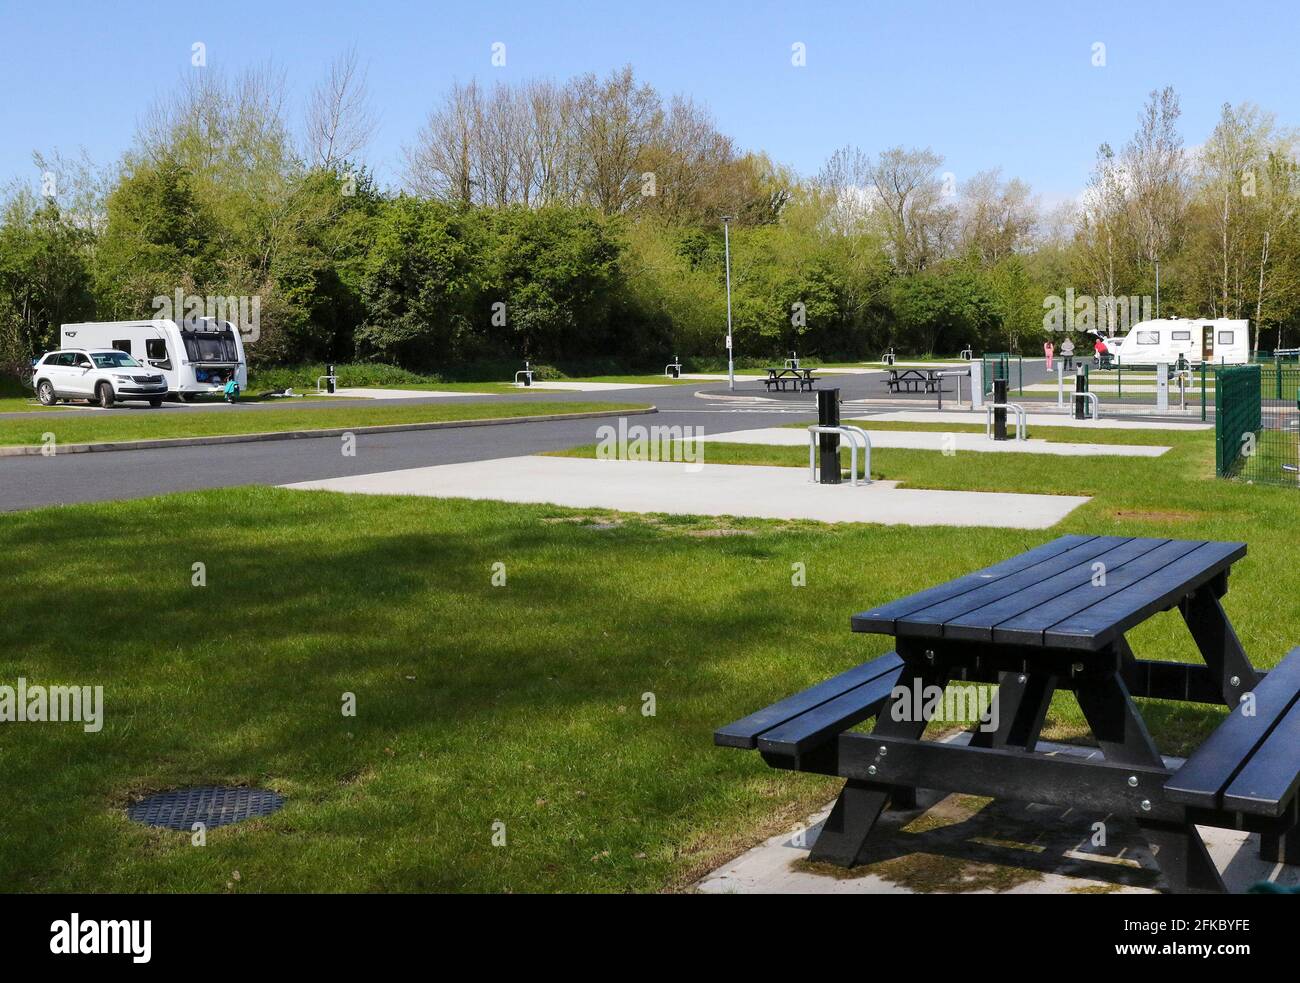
[1157, 289]
[726, 245]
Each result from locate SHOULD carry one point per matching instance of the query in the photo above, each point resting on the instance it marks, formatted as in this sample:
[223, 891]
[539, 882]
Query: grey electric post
[1157, 288]
[726, 246]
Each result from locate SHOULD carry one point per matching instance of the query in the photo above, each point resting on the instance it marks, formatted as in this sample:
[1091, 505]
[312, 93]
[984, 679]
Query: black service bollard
[1080, 386]
[528, 374]
[329, 380]
[677, 368]
[828, 415]
[1000, 414]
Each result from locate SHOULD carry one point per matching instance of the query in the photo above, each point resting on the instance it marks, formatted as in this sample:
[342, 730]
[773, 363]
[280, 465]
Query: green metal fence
[1004, 365]
[1257, 422]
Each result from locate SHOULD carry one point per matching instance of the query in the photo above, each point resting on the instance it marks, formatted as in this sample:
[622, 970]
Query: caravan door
[1207, 342]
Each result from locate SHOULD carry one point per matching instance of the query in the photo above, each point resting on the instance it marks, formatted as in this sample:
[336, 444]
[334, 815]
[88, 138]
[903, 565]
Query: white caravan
[1222, 341]
[195, 357]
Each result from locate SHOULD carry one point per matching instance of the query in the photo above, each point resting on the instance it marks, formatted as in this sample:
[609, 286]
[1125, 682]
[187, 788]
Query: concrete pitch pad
[1034, 420]
[596, 387]
[719, 377]
[936, 441]
[709, 489]
[400, 393]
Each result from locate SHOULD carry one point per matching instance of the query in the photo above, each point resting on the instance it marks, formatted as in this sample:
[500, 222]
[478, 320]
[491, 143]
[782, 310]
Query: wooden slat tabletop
[1056, 595]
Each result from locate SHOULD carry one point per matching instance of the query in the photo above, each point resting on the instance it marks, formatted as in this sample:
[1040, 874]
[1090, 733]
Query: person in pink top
[1049, 351]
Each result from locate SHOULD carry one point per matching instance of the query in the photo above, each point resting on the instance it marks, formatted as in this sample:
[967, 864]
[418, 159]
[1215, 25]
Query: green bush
[303, 377]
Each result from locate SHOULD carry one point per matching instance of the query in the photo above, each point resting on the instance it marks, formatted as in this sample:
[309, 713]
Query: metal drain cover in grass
[212, 806]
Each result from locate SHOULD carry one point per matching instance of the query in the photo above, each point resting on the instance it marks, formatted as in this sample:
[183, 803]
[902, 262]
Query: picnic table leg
[1123, 737]
[860, 803]
[1280, 848]
[1023, 701]
[1218, 643]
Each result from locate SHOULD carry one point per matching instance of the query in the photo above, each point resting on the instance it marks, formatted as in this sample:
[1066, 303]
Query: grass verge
[147, 425]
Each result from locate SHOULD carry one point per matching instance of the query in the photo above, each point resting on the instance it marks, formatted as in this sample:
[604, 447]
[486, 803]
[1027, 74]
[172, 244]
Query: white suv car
[100, 377]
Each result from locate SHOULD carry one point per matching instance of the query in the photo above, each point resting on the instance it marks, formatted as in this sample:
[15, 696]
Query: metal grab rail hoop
[1021, 418]
[1096, 403]
[958, 374]
[332, 379]
[527, 373]
[854, 434]
[670, 367]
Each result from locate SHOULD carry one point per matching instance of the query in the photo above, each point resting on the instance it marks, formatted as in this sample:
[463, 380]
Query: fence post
[977, 384]
[1216, 393]
[828, 415]
[999, 411]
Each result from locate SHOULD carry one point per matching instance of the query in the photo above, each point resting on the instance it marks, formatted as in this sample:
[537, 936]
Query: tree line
[581, 222]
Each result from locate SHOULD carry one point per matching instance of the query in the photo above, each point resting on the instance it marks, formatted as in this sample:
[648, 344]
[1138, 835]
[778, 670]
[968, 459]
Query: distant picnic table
[789, 378]
[913, 380]
[1055, 618]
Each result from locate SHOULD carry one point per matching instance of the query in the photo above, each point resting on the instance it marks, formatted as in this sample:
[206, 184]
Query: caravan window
[210, 346]
[1182, 336]
[123, 346]
[155, 348]
[1148, 337]
[1225, 337]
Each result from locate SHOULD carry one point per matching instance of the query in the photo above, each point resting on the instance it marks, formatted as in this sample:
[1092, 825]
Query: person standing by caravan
[1048, 350]
[1067, 353]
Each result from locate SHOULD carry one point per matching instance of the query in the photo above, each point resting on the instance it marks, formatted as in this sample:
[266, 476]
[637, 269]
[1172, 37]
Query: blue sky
[985, 84]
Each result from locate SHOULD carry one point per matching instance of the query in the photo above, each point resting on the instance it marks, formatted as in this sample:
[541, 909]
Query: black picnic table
[913, 380]
[789, 378]
[1055, 618]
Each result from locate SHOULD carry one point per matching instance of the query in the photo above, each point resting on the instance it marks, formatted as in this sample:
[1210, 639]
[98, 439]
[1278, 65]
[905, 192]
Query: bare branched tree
[443, 161]
[340, 118]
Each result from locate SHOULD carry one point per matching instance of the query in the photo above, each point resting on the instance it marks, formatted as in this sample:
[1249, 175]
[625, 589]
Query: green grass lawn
[520, 703]
[152, 425]
[21, 404]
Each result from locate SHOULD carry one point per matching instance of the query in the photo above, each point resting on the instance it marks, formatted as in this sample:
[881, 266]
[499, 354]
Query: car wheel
[104, 395]
[155, 403]
[45, 393]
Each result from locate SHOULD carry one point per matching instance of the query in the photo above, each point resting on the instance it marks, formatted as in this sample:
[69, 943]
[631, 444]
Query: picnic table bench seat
[814, 716]
[1247, 773]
